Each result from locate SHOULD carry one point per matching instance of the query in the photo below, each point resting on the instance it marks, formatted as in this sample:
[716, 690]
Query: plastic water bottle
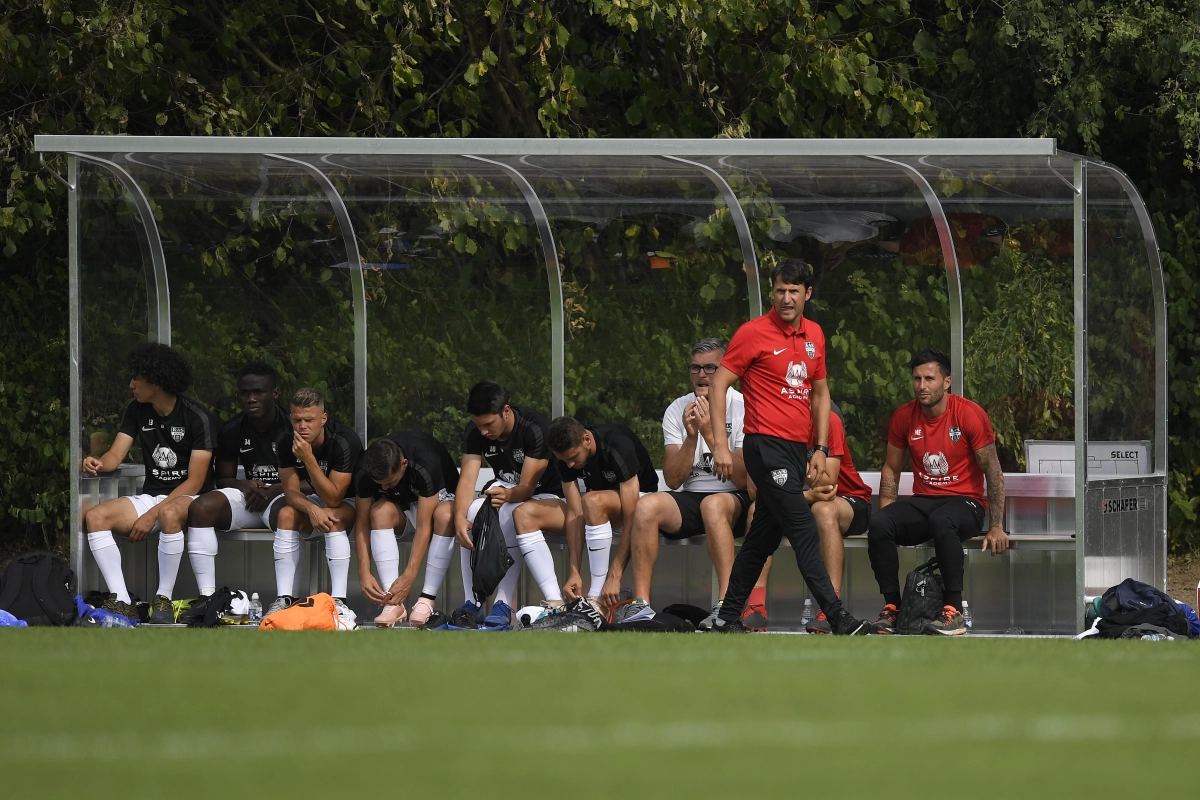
[806, 616]
[967, 616]
[255, 615]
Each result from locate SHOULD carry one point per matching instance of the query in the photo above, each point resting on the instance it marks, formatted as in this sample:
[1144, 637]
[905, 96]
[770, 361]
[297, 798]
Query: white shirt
[702, 479]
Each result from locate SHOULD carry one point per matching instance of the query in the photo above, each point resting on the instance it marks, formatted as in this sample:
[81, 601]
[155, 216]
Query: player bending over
[238, 504]
[952, 448]
[325, 455]
[404, 476]
[175, 434]
[616, 471]
[699, 503]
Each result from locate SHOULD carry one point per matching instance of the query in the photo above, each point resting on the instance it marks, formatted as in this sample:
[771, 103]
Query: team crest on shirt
[728, 428]
[177, 434]
[936, 464]
[509, 477]
[164, 457]
[779, 476]
[706, 462]
[518, 455]
[811, 349]
[796, 374]
[611, 477]
[955, 434]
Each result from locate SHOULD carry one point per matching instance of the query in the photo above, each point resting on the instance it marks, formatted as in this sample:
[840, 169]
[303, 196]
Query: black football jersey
[340, 451]
[620, 456]
[167, 442]
[507, 458]
[240, 442]
[431, 469]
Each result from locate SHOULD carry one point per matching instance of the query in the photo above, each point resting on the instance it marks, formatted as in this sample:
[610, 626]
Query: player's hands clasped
[91, 465]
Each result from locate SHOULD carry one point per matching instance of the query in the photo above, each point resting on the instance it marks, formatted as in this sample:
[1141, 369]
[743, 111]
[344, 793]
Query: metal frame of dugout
[141, 207]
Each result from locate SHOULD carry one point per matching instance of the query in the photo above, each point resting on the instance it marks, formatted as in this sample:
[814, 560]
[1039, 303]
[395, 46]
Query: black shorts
[693, 522]
[862, 515]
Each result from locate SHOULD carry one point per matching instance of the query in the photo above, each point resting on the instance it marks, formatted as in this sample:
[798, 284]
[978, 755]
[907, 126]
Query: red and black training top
[777, 365]
[942, 449]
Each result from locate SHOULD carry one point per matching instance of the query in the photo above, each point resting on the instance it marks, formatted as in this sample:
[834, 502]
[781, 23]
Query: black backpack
[37, 588]
[490, 560]
[923, 599]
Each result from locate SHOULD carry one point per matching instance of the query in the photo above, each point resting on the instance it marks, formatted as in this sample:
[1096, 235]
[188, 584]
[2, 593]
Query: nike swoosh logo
[595, 549]
[148, 429]
[777, 352]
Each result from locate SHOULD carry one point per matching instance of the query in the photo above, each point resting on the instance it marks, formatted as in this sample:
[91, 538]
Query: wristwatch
[823, 448]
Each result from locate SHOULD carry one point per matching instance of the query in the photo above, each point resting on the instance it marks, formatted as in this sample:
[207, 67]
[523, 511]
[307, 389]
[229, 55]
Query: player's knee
[95, 518]
[383, 515]
[287, 519]
[443, 515]
[717, 510]
[825, 512]
[522, 515]
[880, 530]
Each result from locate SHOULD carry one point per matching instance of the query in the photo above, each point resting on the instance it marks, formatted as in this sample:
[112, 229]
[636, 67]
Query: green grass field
[210, 714]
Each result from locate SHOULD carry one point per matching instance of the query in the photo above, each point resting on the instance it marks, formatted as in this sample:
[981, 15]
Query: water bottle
[806, 616]
[967, 616]
[255, 615]
[1154, 637]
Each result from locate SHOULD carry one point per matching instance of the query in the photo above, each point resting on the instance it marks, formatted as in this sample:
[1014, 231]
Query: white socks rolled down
[541, 564]
[108, 559]
[386, 552]
[599, 543]
[170, 553]
[337, 553]
[287, 560]
[441, 550]
[202, 553]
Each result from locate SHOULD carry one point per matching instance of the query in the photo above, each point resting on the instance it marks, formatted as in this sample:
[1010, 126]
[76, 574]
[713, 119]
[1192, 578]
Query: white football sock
[287, 560]
[202, 552]
[508, 588]
[170, 553]
[108, 559]
[599, 543]
[441, 550]
[386, 552]
[541, 564]
[337, 553]
[468, 575]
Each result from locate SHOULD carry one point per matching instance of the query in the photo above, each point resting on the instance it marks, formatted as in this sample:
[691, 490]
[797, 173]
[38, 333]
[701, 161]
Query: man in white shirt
[699, 502]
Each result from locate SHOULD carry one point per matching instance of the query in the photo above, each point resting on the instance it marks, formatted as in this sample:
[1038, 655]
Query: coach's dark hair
[260, 368]
[160, 365]
[792, 271]
[383, 459]
[486, 397]
[565, 434]
[308, 398]
[707, 345]
[931, 355]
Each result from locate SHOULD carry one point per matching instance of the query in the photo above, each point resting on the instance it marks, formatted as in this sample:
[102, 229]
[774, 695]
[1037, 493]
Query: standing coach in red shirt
[952, 448]
[780, 359]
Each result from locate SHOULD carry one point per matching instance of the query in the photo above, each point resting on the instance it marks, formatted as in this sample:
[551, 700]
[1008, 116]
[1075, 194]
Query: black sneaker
[436, 620]
[118, 607]
[886, 624]
[722, 625]
[162, 612]
[578, 616]
[845, 625]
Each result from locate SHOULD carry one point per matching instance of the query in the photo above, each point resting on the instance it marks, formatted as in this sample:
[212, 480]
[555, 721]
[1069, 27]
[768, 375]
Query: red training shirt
[943, 449]
[777, 366]
[849, 482]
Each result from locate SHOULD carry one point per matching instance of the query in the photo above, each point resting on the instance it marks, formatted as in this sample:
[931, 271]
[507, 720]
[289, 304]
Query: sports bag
[36, 588]
[1131, 604]
[922, 601]
[316, 613]
[490, 560]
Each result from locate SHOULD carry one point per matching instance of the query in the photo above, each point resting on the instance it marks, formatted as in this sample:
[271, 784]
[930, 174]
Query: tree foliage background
[1116, 80]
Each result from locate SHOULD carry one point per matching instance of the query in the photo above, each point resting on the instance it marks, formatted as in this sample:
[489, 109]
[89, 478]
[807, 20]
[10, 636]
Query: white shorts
[144, 502]
[506, 510]
[410, 513]
[244, 519]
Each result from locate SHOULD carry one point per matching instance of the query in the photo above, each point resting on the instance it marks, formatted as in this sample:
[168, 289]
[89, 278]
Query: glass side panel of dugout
[651, 262]
[457, 289]
[1012, 224]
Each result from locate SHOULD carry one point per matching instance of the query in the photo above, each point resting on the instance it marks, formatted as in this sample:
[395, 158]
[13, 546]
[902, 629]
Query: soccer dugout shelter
[394, 273]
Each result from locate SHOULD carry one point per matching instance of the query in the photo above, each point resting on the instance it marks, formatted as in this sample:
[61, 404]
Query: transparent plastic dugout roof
[394, 273]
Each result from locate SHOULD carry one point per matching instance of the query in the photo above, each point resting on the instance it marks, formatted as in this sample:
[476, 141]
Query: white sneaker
[347, 620]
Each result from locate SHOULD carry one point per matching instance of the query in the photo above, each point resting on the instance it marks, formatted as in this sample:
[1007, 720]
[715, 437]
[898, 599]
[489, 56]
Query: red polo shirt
[942, 449]
[777, 366]
[849, 482]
